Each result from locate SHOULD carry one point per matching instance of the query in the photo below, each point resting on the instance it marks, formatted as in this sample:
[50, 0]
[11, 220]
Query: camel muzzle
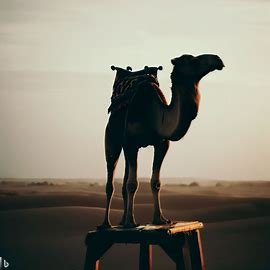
[220, 65]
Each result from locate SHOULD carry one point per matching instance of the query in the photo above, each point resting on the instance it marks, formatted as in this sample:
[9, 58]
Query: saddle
[126, 82]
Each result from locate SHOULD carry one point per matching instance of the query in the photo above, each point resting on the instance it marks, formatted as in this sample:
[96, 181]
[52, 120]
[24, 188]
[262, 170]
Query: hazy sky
[55, 83]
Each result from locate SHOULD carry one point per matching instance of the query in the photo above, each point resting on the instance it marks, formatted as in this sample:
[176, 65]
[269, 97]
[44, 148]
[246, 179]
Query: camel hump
[125, 89]
[126, 82]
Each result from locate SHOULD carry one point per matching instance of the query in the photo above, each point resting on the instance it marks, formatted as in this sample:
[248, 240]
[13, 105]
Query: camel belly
[140, 136]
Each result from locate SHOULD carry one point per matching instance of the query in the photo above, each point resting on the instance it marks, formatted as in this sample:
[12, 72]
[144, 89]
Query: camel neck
[182, 109]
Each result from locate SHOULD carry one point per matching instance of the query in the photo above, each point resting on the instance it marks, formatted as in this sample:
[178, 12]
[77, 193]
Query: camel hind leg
[113, 149]
[159, 154]
[131, 185]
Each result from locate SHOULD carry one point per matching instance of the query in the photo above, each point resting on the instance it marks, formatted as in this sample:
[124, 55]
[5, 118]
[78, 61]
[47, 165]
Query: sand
[43, 227]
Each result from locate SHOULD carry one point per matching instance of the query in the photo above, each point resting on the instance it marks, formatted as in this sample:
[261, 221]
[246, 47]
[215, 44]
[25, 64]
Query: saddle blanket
[124, 89]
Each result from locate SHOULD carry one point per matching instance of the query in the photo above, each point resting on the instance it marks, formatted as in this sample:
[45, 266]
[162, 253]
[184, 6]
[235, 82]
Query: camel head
[191, 68]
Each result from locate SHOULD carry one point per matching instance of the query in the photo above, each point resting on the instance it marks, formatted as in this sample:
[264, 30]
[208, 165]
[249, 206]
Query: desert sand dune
[210, 208]
[238, 244]
[46, 229]
[52, 200]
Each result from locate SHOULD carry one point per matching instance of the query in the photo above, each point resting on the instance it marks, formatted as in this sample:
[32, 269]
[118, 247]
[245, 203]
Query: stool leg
[90, 261]
[174, 250]
[195, 250]
[95, 251]
[145, 256]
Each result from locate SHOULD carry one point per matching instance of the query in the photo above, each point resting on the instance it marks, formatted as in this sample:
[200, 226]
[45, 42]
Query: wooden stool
[173, 239]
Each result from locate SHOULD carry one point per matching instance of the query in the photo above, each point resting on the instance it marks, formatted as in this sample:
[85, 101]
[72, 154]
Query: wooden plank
[154, 234]
[181, 227]
[176, 227]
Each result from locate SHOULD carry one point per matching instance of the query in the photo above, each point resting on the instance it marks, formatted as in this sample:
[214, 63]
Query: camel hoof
[161, 221]
[104, 226]
[121, 223]
[131, 225]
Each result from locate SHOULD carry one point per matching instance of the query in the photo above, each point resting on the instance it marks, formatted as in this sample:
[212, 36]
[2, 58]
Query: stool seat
[172, 238]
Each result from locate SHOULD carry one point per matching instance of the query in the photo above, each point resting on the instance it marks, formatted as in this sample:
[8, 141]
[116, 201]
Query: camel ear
[113, 67]
[160, 68]
[129, 68]
[173, 61]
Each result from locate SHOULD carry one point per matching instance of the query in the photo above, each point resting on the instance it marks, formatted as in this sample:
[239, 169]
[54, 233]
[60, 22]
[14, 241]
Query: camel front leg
[124, 193]
[159, 154]
[112, 150]
[132, 186]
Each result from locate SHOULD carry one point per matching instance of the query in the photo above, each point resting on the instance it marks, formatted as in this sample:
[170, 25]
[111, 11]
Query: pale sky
[56, 82]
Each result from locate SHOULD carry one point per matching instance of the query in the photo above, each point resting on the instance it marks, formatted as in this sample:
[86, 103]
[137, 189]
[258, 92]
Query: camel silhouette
[149, 120]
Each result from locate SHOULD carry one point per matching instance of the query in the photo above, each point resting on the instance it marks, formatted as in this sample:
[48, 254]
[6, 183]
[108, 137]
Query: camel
[150, 120]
